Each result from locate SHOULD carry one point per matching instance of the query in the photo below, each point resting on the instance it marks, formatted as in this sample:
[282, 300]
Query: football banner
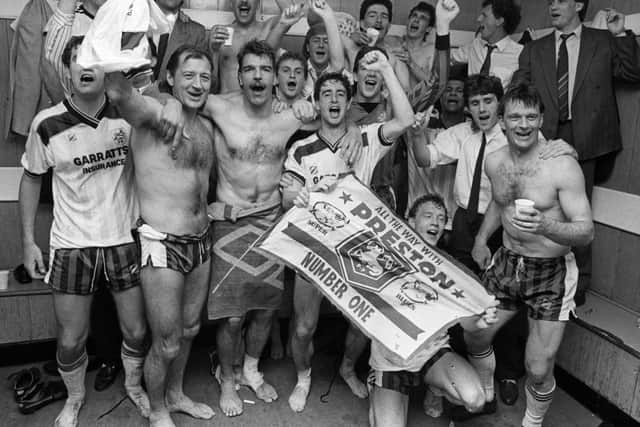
[371, 265]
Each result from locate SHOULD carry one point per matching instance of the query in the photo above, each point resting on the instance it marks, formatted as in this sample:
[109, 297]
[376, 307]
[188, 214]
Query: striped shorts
[404, 381]
[179, 253]
[81, 271]
[545, 285]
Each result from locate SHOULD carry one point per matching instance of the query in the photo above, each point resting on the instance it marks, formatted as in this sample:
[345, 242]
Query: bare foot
[68, 417]
[140, 399]
[266, 392]
[230, 402]
[160, 419]
[298, 398]
[357, 387]
[179, 402]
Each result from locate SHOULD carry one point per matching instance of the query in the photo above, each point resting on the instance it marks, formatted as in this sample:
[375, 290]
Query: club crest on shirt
[120, 136]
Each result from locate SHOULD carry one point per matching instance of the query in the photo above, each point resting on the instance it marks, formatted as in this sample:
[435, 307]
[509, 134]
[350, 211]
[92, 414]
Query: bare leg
[256, 339]
[194, 295]
[163, 289]
[130, 306]
[306, 304]
[72, 316]
[228, 335]
[277, 349]
[354, 345]
[456, 379]
[388, 408]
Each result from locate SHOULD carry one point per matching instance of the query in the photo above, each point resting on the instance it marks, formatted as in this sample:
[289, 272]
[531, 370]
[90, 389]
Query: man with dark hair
[250, 151]
[535, 267]
[312, 166]
[85, 143]
[416, 48]
[494, 52]
[574, 69]
[173, 231]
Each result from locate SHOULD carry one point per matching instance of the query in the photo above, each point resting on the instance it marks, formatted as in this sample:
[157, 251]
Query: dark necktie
[160, 52]
[474, 195]
[563, 78]
[486, 65]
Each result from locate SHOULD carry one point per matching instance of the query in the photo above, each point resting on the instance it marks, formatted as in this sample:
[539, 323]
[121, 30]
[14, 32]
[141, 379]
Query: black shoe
[106, 375]
[508, 391]
[460, 413]
[48, 393]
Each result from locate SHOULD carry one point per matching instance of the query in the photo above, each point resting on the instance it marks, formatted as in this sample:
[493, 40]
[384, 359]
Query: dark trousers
[105, 329]
[463, 233]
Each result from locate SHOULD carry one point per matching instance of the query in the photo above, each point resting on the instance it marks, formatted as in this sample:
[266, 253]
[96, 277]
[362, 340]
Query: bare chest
[195, 149]
[531, 181]
[258, 146]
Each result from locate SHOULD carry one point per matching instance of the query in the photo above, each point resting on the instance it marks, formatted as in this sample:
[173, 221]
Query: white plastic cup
[229, 41]
[4, 280]
[373, 34]
[523, 203]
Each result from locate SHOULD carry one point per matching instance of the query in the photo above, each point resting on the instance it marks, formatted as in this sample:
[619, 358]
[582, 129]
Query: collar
[89, 120]
[501, 45]
[81, 10]
[577, 33]
[492, 134]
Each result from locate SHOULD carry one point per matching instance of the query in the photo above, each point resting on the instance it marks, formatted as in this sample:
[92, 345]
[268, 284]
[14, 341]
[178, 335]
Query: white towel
[117, 38]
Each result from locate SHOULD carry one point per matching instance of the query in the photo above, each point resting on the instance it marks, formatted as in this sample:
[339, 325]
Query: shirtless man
[245, 27]
[173, 231]
[375, 15]
[535, 267]
[250, 154]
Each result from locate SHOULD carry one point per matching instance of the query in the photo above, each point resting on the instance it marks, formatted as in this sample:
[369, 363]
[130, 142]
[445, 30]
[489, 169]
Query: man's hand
[375, 61]
[302, 199]
[488, 317]
[286, 180]
[279, 106]
[360, 38]
[481, 255]
[350, 147]
[615, 21]
[446, 12]
[33, 262]
[529, 220]
[292, 14]
[556, 148]
[218, 36]
[401, 54]
[321, 8]
[303, 111]
[325, 185]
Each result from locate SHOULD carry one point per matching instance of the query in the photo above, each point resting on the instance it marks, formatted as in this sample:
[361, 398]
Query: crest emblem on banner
[368, 263]
[328, 215]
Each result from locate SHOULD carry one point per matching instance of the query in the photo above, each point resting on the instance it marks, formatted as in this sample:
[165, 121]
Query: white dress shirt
[504, 58]
[573, 50]
[461, 143]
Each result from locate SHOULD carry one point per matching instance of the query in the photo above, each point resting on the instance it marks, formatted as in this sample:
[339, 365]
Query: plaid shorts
[545, 285]
[81, 271]
[404, 381]
[179, 253]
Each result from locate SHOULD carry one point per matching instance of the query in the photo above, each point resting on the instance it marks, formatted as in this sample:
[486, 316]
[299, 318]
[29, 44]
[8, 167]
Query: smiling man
[494, 52]
[173, 232]
[535, 268]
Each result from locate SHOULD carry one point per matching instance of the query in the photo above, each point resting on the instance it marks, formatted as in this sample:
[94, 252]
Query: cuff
[62, 18]
[434, 154]
[443, 42]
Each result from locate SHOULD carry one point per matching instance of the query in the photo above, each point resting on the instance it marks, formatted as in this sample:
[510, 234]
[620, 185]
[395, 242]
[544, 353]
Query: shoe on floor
[106, 375]
[508, 389]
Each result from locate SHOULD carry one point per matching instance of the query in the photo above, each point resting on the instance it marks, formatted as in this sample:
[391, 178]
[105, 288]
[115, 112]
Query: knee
[189, 332]
[473, 398]
[234, 324]
[72, 345]
[167, 346]
[304, 330]
[539, 368]
[135, 334]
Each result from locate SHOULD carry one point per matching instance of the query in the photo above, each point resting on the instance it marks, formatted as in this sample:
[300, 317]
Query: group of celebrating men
[138, 150]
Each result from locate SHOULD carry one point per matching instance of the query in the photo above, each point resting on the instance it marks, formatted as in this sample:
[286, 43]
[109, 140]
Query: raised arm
[626, 55]
[58, 34]
[138, 110]
[336, 55]
[289, 16]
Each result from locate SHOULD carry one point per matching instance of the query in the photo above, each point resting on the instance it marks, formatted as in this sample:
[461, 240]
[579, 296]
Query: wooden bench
[601, 347]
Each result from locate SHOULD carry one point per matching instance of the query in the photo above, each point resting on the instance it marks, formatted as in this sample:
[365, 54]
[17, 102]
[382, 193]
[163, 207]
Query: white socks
[133, 364]
[537, 405]
[485, 366]
[73, 376]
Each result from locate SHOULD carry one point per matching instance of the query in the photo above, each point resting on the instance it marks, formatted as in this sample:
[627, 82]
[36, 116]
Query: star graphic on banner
[346, 197]
[458, 293]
